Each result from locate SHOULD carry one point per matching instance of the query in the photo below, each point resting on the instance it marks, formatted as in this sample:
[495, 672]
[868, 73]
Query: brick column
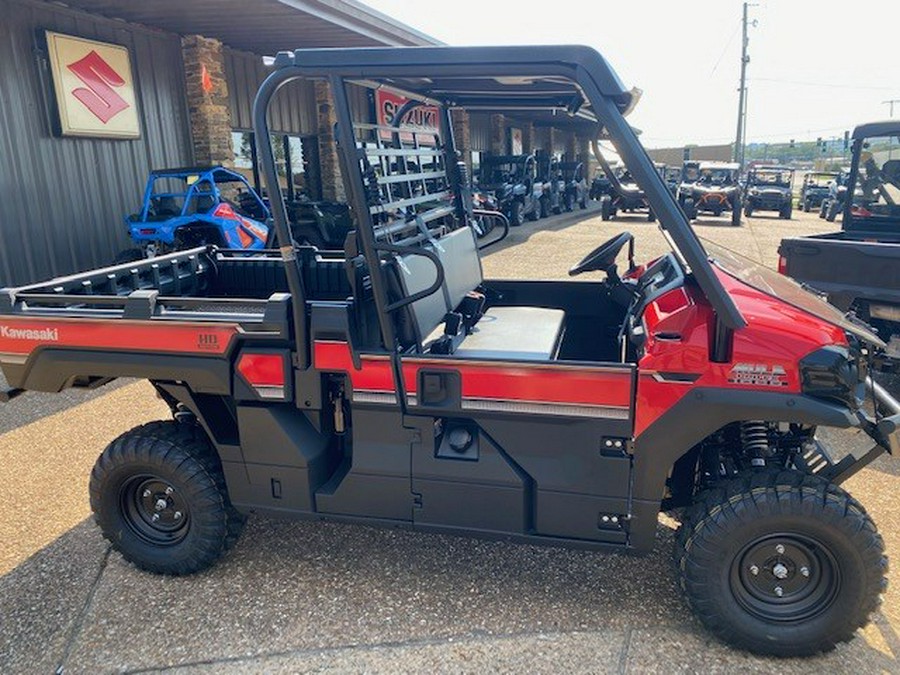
[207, 97]
[571, 146]
[551, 140]
[498, 135]
[329, 165]
[584, 151]
[462, 135]
[528, 138]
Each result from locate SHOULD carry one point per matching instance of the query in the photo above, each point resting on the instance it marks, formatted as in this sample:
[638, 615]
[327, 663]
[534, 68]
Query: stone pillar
[498, 135]
[528, 139]
[207, 97]
[571, 146]
[551, 140]
[584, 151]
[329, 164]
[462, 135]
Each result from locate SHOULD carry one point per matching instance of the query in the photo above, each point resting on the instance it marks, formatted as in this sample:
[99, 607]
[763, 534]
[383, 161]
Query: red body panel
[262, 370]
[679, 327]
[23, 336]
[606, 386]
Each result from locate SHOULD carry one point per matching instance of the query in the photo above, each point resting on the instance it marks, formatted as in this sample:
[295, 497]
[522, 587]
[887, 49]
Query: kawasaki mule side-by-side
[815, 188]
[715, 191]
[513, 181]
[392, 384]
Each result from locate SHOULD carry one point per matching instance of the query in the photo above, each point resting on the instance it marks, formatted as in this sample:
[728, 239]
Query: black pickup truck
[858, 267]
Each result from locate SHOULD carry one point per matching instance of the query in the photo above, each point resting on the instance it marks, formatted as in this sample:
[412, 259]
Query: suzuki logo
[98, 95]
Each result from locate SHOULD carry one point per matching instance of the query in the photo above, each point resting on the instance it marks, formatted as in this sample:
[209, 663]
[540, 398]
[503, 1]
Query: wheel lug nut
[169, 490]
[177, 515]
[780, 571]
[147, 493]
[804, 571]
[779, 549]
[779, 591]
[155, 517]
[161, 504]
[754, 570]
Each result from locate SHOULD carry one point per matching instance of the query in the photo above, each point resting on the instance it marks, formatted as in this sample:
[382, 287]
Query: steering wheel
[602, 257]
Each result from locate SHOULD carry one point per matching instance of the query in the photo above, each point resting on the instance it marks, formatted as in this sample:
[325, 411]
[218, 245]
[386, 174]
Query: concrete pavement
[323, 597]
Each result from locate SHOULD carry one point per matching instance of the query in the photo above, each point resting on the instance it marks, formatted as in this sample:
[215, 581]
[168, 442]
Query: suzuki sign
[421, 118]
[94, 87]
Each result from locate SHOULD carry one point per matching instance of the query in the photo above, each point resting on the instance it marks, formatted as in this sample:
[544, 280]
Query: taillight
[147, 230]
[782, 265]
[224, 210]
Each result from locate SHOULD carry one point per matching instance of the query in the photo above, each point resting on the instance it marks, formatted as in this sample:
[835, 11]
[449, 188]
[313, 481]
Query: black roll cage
[496, 78]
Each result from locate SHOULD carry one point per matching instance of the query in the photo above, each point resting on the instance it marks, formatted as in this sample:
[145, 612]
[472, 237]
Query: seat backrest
[458, 253]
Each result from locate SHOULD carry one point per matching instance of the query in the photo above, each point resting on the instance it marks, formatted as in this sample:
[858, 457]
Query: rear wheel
[517, 214]
[545, 207]
[690, 210]
[159, 496]
[807, 206]
[736, 213]
[569, 202]
[308, 234]
[605, 207]
[786, 211]
[780, 563]
[748, 210]
[129, 255]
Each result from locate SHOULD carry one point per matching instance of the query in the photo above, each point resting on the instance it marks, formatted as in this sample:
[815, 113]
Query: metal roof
[265, 26]
[883, 128]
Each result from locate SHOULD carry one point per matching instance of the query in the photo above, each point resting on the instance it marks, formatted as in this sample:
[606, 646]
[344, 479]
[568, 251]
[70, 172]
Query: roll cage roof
[216, 173]
[883, 128]
[573, 80]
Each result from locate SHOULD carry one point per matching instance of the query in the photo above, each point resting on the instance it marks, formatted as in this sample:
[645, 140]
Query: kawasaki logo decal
[758, 374]
[39, 335]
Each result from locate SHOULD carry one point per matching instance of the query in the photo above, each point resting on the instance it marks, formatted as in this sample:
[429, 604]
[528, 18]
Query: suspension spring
[755, 441]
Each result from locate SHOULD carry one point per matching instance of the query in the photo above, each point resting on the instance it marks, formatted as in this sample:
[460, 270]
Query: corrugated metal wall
[62, 200]
[480, 132]
[293, 110]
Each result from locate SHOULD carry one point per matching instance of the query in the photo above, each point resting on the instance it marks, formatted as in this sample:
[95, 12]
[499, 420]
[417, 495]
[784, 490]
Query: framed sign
[424, 117]
[94, 87]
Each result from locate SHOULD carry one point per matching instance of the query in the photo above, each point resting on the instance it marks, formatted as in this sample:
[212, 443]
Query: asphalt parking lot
[316, 597]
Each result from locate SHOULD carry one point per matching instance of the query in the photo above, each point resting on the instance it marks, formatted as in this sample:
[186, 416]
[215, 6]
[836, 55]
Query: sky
[816, 68]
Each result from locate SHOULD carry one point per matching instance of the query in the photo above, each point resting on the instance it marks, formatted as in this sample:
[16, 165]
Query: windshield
[690, 174]
[784, 288]
[877, 187]
[820, 179]
[771, 177]
[715, 176]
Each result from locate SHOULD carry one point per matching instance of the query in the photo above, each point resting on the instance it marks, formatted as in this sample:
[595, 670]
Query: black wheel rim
[785, 578]
[154, 510]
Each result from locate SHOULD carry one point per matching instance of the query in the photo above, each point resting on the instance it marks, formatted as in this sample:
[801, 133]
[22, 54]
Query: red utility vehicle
[391, 384]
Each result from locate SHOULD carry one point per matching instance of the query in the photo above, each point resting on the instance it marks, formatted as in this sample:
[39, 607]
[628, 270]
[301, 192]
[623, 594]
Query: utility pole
[742, 108]
[890, 102]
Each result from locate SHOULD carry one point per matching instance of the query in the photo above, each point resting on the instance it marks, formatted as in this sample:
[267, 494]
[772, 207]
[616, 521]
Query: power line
[828, 85]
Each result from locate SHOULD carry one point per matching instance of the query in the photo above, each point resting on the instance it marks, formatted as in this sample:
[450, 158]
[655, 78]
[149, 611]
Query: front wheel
[780, 563]
[786, 211]
[736, 213]
[159, 497]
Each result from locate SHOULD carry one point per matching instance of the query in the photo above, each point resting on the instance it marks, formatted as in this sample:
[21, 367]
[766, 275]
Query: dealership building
[94, 94]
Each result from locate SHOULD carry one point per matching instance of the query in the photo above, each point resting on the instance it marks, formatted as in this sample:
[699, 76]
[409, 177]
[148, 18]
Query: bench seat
[514, 334]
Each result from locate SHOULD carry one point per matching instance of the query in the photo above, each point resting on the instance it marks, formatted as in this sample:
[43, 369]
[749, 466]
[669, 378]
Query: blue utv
[190, 207]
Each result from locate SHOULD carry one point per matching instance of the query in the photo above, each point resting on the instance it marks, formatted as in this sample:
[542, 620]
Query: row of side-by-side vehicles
[390, 383]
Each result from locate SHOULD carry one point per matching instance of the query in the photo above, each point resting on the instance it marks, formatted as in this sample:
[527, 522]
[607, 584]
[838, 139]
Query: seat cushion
[515, 334]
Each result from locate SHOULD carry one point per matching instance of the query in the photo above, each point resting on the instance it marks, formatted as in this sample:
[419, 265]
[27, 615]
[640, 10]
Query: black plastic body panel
[847, 266]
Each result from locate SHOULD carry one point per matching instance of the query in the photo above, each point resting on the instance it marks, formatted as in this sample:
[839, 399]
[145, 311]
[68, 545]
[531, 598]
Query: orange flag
[205, 80]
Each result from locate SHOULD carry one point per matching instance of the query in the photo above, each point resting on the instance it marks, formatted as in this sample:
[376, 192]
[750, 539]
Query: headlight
[834, 373]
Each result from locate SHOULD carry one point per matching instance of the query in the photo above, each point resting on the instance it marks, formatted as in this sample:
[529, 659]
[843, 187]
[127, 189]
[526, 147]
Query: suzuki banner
[423, 117]
[94, 87]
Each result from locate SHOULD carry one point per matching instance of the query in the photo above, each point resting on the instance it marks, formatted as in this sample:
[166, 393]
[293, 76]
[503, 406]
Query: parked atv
[554, 186]
[600, 186]
[769, 188]
[186, 208]
[513, 181]
[575, 185]
[815, 188]
[837, 190]
[625, 194]
[672, 177]
[715, 191]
